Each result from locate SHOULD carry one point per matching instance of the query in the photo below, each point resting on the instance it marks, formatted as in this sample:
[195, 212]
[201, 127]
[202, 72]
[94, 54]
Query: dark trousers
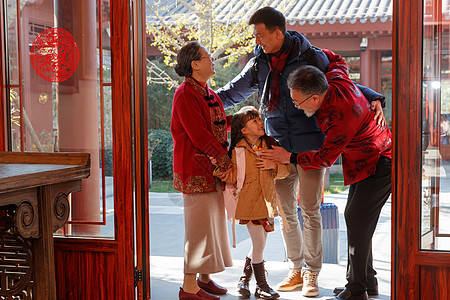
[365, 201]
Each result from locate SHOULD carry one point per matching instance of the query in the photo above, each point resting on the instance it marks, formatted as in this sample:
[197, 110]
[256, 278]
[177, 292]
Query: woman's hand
[266, 164]
[278, 154]
[213, 160]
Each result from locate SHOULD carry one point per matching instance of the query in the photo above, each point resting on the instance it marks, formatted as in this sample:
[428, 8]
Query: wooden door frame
[3, 98]
[129, 110]
[115, 262]
[142, 251]
[122, 132]
[411, 267]
[105, 267]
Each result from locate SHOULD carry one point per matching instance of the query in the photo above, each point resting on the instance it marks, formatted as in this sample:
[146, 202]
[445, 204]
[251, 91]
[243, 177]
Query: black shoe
[371, 291]
[266, 292]
[243, 287]
[263, 290]
[372, 287]
[347, 295]
[244, 282]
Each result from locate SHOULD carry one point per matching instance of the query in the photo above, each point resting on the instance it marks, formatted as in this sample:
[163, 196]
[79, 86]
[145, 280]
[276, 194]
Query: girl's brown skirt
[206, 242]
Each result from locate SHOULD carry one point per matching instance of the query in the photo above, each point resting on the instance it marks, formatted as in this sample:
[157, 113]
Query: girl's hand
[266, 164]
[226, 176]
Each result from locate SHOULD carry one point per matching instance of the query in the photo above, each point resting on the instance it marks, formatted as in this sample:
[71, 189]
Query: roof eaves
[323, 21]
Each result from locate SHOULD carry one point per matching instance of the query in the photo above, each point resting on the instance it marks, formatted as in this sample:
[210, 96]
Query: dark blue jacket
[287, 124]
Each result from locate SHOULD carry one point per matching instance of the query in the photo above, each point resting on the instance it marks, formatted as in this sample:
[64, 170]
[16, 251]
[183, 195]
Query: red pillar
[370, 69]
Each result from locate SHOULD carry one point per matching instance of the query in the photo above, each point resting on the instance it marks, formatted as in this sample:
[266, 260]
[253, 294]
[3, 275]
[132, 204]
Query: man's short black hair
[269, 16]
[308, 80]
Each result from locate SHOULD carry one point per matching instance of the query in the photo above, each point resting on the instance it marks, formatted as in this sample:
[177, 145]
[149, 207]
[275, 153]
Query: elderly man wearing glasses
[344, 116]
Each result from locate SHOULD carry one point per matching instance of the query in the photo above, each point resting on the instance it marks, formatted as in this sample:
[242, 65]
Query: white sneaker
[310, 285]
[292, 281]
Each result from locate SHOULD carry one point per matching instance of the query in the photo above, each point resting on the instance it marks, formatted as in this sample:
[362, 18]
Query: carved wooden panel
[16, 266]
[20, 224]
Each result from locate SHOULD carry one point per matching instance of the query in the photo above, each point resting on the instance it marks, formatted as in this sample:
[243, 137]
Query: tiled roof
[298, 11]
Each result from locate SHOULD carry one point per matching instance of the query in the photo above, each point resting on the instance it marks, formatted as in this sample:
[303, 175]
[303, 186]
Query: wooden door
[141, 165]
[420, 239]
[2, 80]
[102, 253]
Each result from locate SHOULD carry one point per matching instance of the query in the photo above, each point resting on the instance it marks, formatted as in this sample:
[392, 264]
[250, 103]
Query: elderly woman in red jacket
[199, 133]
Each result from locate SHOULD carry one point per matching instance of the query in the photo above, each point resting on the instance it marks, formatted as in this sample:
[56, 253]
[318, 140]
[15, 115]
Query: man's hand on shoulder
[278, 154]
[379, 114]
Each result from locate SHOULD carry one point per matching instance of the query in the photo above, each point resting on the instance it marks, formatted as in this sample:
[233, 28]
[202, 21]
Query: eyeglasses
[298, 105]
[208, 57]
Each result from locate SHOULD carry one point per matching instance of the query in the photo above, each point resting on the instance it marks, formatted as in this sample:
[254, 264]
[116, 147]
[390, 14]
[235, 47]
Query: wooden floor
[167, 248]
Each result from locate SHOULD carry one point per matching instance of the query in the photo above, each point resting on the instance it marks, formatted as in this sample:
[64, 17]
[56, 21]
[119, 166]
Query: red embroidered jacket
[348, 122]
[199, 130]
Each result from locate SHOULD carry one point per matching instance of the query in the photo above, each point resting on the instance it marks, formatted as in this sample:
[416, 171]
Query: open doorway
[166, 204]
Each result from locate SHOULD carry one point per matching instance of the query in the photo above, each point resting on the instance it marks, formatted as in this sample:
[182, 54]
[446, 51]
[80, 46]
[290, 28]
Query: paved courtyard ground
[166, 249]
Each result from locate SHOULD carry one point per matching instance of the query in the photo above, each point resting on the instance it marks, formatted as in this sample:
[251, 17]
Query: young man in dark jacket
[279, 52]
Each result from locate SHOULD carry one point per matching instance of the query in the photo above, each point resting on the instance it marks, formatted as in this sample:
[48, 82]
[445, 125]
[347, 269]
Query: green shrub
[161, 147]
[159, 100]
[163, 187]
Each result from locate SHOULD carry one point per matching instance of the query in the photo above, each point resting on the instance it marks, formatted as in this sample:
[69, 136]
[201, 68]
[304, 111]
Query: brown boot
[244, 281]
[263, 290]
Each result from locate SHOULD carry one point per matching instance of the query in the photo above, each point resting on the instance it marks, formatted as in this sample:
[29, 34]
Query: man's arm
[339, 134]
[238, 89]
[377, 100]
[371, 95]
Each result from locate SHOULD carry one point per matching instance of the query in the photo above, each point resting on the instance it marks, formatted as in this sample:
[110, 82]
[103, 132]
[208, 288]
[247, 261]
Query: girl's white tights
[258, 236]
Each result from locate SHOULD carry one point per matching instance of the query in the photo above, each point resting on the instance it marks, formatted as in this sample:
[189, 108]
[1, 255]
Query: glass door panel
[435, 200]
[59, 82]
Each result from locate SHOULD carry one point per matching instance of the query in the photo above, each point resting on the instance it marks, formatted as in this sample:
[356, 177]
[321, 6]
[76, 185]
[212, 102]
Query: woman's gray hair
[308, 80]
[187, 54]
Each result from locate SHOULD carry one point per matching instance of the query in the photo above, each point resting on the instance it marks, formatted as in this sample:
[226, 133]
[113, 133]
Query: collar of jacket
[244, 144]
[203, 90]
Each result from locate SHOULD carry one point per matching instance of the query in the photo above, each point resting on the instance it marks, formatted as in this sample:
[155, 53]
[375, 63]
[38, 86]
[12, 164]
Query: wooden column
[44, 258]
[370, 69]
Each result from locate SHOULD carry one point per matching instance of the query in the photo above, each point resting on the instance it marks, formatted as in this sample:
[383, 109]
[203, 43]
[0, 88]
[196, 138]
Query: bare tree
[221, 26]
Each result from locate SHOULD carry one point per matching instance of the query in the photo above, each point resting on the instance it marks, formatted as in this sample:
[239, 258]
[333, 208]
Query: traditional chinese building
[361, 31]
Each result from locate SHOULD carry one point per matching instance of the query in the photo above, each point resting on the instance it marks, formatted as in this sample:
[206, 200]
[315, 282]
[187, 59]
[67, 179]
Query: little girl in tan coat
[257, 202]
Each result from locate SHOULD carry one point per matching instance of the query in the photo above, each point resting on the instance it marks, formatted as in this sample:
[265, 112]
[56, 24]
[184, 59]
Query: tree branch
[164, 24]
[161, 76]
[188, 6]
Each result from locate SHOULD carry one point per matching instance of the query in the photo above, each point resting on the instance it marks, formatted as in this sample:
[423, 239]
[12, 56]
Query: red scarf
[276, 64]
